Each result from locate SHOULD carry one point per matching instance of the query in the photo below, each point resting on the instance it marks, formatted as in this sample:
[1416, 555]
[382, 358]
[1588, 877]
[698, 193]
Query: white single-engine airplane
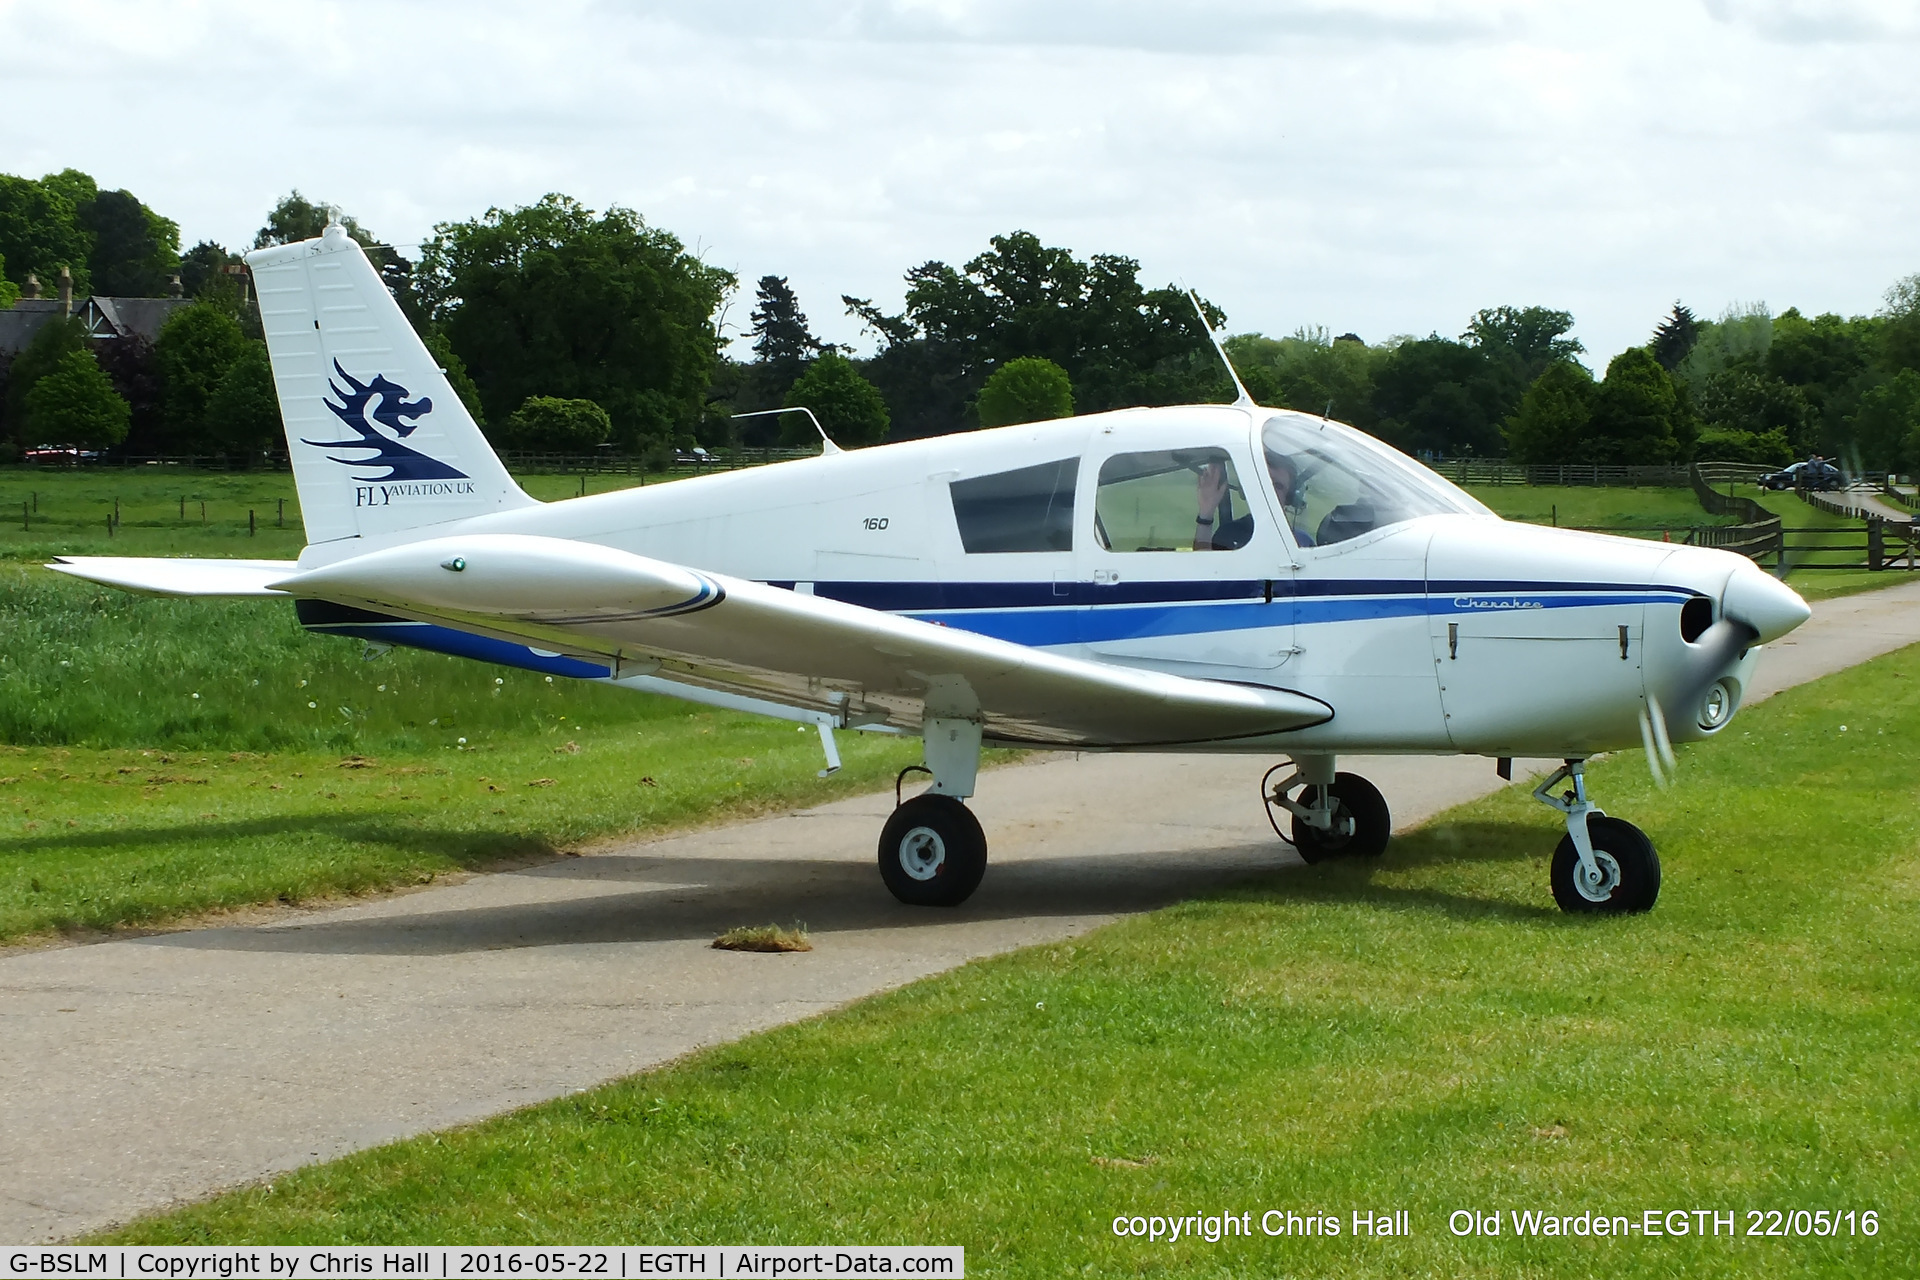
[1214, 578]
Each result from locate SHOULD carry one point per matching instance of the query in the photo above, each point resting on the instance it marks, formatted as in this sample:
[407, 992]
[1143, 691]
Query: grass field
[1426, 1033]
[1646, 512]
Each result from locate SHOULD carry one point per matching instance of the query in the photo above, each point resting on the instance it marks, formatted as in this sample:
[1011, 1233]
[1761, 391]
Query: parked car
[1814, 473]
[60, 453]
[692, 457]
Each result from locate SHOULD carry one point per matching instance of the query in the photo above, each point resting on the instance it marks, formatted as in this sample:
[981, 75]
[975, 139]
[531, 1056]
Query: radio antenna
[826, 446]
[1244, 401]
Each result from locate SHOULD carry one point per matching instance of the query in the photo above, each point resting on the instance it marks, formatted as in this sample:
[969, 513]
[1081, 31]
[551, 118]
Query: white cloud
[1381, 167]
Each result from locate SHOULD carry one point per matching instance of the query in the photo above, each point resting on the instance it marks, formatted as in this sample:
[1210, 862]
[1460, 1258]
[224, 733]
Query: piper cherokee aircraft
[1211, 578]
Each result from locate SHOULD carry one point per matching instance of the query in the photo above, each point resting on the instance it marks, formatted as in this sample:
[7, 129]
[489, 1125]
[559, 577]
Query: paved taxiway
[149, 1070]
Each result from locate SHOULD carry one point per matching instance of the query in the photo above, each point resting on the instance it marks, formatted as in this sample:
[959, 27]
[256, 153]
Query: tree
[1886, 427]
[1746, 400]
[204, 268]
[1311, 372]
[243, 413]
[56, 340]
[134, 251]
[456, 370]
[550, 299]
[850, 409]
[39, 233]
[1121, 344]
[1551, 423]
[549, 424]
[9, 291]
[1674, 340]
[1029, 389]
[1432, 394]
[1528, 338]
[196, 348]
[1900, 339]
[134, 369]
[76, 405]
[1766, 449]
[1742, 333]
[1636, 414]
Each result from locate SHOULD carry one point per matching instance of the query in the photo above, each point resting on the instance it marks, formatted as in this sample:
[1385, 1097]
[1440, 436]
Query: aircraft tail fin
[380, 443]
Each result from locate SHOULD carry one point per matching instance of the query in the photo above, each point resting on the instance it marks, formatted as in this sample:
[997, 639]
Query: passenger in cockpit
[1230, 535]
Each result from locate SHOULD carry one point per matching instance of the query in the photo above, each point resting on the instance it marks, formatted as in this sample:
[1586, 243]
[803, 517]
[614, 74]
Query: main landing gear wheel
[1361, 822]
[1625, 876]
[932, 852]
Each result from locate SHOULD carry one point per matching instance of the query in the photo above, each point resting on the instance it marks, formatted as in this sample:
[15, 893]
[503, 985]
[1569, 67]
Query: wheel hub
[922, 853]
[1598, 884]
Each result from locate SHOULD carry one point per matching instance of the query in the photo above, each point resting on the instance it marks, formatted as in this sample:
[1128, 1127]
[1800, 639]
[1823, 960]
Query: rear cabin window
[1155, 502]
[1026, 510]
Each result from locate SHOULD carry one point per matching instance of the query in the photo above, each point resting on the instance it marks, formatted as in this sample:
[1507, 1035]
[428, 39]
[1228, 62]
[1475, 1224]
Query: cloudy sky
[1380, 166]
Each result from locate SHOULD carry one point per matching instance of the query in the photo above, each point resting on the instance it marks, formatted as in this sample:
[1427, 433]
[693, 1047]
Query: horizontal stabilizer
[865, 667]
[160, 577]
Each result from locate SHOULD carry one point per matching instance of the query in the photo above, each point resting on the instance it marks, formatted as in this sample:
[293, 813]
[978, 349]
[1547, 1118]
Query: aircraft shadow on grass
[645, 897]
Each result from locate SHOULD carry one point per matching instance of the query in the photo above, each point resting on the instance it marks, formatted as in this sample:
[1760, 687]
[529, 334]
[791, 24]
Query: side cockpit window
[1171, 500]
[1030, 509]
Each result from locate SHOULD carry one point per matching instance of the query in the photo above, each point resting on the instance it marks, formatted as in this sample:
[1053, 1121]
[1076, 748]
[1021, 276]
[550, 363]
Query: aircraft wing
[164, 577]
[649, 617]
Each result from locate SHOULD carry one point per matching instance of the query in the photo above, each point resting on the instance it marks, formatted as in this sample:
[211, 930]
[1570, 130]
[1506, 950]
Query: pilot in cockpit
[1229, 535]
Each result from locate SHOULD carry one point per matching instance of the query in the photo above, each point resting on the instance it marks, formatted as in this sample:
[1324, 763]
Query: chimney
[32, 289]
[173, 287]
[66, 291]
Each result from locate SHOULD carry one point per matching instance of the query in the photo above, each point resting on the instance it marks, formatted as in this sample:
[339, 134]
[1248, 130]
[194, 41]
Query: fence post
[1876, 545]
[250, 525]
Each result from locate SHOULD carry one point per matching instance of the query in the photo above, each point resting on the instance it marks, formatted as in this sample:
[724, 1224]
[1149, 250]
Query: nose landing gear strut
[1602, 865]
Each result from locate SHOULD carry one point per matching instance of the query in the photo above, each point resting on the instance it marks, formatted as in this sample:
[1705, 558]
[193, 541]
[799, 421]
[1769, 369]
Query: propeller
[1707, 659]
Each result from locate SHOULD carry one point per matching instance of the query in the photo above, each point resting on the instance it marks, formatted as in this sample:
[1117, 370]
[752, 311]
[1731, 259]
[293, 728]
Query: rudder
[379, 441]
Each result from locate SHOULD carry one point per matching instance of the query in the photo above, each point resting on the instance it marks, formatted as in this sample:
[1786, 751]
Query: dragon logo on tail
[368, 407]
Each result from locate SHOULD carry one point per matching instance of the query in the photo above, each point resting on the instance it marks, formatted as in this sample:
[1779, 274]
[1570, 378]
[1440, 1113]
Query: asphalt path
[150, 1070]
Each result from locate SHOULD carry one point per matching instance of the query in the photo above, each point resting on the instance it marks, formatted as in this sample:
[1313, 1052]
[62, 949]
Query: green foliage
[1900, 340]
[1636, 418]
[1121, 344]
[1528, 339]
[135, 250]
[9, 291]
[549, 299]
[1724, 444]
[1676, 337]
[456, 370]
[55, 341]
[1433, 394]
[203, 270]
[1029, 389]
[1310, 372]
[1551, 422]
[39, 230]
[196, 348]
[1743, 333]
[76, 404]
[243, 414]
[850, 408]
[1744, 399]
[1887, 423]
[549, 424]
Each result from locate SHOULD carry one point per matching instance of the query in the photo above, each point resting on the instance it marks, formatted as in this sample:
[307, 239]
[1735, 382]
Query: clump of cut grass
[764, 937]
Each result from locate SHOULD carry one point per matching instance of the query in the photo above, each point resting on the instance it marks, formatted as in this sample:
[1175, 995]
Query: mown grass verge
[1425, 1032]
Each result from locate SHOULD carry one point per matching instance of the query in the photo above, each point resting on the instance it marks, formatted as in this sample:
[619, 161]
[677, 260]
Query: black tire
[1626, 858]
[1361, 823]
[932, 852]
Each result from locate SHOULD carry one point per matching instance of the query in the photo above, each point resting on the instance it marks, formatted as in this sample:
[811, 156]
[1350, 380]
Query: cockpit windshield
[1337, 483]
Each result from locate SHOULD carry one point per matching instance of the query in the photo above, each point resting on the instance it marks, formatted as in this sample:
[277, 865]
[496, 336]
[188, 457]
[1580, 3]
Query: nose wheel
[1603, 866]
